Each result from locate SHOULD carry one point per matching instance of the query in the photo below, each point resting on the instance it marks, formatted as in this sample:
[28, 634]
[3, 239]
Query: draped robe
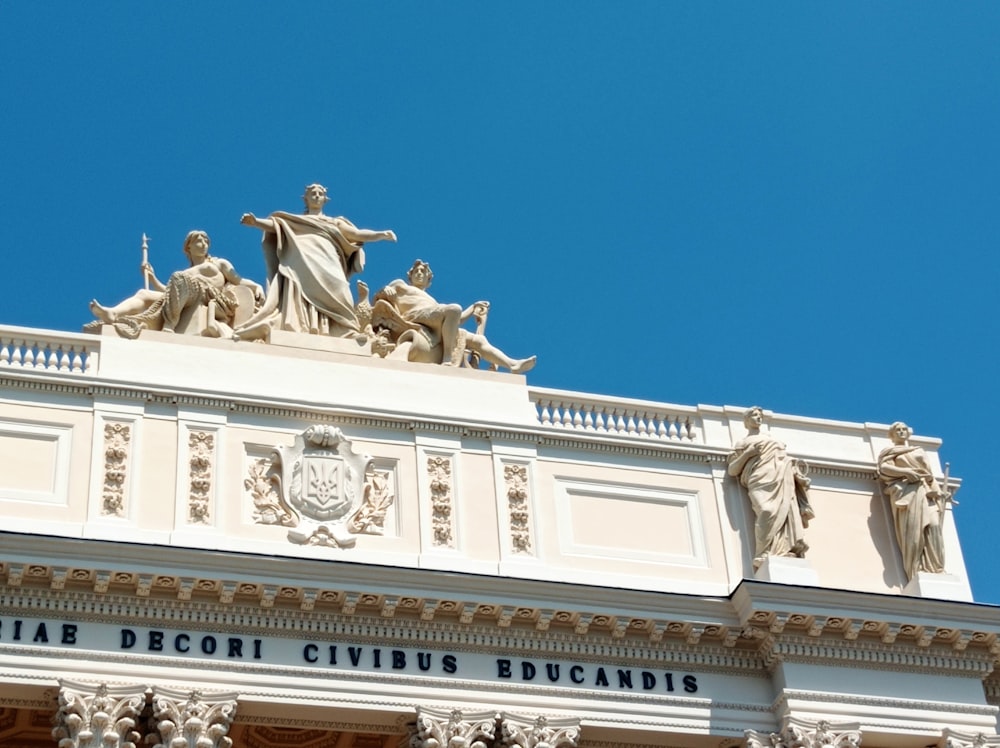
[309, 263]
[776, 487]
[917, 507]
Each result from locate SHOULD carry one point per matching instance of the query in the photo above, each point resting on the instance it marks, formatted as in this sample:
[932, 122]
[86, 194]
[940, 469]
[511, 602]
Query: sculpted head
[420, 274]
[754, 417]
[315, 196]
[196, 244]
[899, 432]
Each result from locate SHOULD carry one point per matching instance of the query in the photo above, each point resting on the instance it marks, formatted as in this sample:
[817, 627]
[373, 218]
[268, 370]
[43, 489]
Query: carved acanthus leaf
[188, 720]
[101, 718]
[442, 729]
[539, 732]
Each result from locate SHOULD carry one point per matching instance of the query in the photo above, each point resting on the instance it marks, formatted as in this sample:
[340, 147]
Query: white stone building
[206, 540]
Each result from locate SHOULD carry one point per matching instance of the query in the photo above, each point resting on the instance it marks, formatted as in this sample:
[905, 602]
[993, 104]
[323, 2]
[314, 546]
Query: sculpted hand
[390, 235]
[249, 219]
[147, 269]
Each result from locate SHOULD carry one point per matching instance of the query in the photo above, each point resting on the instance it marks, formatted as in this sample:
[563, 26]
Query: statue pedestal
[787, 570]
[938, 587]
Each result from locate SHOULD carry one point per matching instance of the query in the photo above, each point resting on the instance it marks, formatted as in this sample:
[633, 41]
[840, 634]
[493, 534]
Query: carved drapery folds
[188, 720]
[439, 472]
[515, 479]
[321, 489]
[798, 733]
[201, 446]
[437, 728]
[539, 732]
[117, 444]
[97, 718]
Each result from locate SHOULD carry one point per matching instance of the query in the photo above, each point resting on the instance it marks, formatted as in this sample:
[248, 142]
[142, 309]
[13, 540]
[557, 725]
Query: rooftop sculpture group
[310, 259]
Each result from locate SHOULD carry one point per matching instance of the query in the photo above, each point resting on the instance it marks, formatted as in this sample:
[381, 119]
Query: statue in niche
[917, 501]
[425, 331]
[208, 298]
[310, 259]
[778, 489]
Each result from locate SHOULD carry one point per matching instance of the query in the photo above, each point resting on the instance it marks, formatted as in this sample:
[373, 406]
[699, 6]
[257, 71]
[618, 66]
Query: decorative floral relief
[439, 471]
[201, 445]
[516, 481]
[320, 489]
[117, 438]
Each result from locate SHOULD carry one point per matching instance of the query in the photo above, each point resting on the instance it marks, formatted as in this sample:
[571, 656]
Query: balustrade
[62, 354]
[568, 410]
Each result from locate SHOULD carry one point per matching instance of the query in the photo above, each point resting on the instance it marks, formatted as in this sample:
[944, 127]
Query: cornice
[82, 385]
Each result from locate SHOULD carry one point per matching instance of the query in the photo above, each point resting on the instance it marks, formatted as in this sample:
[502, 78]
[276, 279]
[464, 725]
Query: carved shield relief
[321, 489]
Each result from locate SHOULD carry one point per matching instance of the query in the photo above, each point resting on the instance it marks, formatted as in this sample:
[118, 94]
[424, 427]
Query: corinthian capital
[98, 717]
[540, 732]
[954, 739]
[800, 733]
[437, 728]
[189, 720]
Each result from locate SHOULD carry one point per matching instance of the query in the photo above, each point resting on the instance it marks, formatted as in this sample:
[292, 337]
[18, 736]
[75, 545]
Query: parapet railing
[573, 411]
[56, 353]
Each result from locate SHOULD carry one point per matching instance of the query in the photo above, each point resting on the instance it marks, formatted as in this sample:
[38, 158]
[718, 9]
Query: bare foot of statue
[524, 365]
[102, 312]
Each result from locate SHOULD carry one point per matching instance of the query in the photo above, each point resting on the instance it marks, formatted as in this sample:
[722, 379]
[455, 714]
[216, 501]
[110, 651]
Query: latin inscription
[343, 656]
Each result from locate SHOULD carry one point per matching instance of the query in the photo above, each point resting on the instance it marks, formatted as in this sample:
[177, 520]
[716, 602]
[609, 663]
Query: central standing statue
[310, 259]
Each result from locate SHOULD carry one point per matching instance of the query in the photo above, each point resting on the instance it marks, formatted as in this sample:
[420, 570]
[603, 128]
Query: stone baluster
[100, 717]
[438, 728]
[539, 732]
[190, 720]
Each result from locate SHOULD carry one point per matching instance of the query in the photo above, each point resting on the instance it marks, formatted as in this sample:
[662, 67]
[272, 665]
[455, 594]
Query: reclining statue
[426, 331]
[208, 298]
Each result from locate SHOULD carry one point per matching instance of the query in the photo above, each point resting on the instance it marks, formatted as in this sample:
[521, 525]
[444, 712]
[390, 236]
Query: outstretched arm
[264, 224]
[354, 234]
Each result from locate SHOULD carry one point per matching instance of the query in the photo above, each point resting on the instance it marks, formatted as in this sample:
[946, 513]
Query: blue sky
[790, 204]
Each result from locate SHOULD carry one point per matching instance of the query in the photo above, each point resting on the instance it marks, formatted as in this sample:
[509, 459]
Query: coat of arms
[320, 489]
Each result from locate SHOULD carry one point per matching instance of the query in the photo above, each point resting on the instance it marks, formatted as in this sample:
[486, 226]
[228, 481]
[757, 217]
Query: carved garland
[439, 472]
[117, 438]
[516, 483]
[202, 446]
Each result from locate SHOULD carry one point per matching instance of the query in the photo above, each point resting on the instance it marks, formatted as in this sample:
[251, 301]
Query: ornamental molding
[129, 597]
[880, 702]
[585, 441]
